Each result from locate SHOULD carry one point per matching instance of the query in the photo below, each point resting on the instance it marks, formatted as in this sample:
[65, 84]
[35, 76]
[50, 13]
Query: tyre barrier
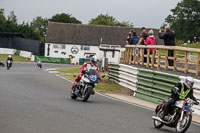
[149, 85]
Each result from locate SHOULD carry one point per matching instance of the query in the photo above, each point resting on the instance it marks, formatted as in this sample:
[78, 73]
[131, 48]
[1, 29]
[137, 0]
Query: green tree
[40, 26]
[109, 20]
[64, 18]
[2, 20]
[185, 19]
[11, 23]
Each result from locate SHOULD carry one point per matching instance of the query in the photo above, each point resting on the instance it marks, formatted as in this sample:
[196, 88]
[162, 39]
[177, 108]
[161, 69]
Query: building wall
[64, 50]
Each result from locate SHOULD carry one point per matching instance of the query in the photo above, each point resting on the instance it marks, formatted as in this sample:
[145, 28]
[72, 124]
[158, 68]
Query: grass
[3, 57]
[104, 86]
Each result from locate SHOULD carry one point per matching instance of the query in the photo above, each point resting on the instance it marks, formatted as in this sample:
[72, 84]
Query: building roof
[67, 33]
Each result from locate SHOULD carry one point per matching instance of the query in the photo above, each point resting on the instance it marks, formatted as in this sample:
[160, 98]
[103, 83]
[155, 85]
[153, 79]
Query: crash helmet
[189, 82]
[9, 56]
[93, 60]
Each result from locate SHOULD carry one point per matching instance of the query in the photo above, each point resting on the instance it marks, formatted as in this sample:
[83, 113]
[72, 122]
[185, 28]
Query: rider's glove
[196, 103]
[175, 90]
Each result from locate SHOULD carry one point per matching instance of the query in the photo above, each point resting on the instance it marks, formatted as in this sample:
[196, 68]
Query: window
[86, 48]
[59, 46]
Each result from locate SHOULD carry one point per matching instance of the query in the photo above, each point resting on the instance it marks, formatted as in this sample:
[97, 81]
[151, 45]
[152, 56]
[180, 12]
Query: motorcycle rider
[185, 90]
[86, 66]
[9, 59]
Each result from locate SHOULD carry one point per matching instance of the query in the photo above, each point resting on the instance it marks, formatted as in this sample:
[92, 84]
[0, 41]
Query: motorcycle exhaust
[159, 119]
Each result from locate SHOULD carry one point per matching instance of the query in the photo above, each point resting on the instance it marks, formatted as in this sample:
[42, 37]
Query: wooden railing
[182, 57]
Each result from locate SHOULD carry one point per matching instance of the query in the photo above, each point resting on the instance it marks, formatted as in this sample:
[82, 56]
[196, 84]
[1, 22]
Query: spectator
[151, 40]
[169, 40]
[143, 37]
[134, 40]
[128, 39]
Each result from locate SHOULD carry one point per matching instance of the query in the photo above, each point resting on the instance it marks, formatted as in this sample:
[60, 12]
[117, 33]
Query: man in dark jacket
[185, 89]
[169, 40]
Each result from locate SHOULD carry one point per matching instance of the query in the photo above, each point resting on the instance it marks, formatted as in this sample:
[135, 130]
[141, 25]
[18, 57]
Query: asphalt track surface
[34, 101]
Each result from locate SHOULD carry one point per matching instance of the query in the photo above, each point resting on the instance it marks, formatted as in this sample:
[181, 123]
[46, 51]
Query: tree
[2, 20]
[11, 23]
[185, 19]
[109, 20]
[40, 25]
[64, 18]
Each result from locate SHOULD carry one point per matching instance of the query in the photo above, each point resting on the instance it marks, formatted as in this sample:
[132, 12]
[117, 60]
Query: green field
[104, 86]
[3, 57]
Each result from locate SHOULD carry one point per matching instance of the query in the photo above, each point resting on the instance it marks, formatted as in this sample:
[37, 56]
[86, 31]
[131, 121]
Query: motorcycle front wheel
[158, 124]
[183, 125]
[86, 94]
[73, 95]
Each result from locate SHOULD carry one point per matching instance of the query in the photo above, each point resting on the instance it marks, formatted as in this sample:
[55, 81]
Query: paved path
[34, 101]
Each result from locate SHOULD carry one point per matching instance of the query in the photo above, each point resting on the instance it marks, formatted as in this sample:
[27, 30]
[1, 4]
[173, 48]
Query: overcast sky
[148, 13]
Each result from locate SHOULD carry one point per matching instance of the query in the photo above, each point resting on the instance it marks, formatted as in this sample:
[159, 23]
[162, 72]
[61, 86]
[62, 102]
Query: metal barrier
[154, 86]
[124, 75]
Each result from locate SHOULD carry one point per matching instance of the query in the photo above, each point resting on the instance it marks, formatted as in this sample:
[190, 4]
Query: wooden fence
[159, 58]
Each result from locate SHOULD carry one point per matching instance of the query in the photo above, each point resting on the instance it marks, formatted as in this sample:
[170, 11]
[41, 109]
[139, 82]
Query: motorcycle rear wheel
[183, 125]
[158, 124]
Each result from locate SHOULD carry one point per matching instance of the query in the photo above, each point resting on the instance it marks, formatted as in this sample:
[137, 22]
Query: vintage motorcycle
[179, 115]
[85, 87]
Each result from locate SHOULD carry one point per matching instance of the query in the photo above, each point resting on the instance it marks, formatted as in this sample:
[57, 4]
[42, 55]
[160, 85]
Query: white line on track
[195, 123]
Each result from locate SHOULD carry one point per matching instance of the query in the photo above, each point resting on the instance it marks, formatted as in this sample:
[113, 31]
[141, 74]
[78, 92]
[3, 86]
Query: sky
[147, 13]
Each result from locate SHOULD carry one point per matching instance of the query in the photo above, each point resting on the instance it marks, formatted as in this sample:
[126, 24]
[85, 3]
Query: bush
[179, 42]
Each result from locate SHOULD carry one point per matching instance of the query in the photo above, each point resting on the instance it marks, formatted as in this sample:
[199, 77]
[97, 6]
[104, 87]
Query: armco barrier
[53, 60]
[7, 51]
[154, 86]
[196, 93]
[124, 75]
[25, 54]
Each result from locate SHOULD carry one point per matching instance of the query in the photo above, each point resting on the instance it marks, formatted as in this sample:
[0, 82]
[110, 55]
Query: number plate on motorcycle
[186, 108]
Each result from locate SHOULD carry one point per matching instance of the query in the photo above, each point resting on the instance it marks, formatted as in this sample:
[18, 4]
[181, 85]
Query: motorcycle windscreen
[93, 75]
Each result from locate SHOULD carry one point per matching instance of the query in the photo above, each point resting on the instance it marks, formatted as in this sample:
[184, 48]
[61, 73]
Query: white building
[82, 41]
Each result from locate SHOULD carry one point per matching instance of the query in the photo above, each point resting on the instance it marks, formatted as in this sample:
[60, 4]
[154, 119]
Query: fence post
[197, 65]
[158, 64]
[134, 56]
[138, 59]
[152, 59]
[142, 56]
[166, 59]
[175, 60]
[186, 62]
[130, 55]
[148, 50]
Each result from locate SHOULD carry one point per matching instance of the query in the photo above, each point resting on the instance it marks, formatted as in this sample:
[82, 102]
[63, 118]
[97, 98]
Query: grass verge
[105, 86]
[3, 57]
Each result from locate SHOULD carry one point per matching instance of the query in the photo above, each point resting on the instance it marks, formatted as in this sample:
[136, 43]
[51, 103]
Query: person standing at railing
[128, 39]
[151, 40]
[169, 40]
[143, 37]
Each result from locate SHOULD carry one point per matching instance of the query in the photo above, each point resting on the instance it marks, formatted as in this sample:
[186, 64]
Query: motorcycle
[179, 115]
[39, 64]
[9, 64]
[85, 87]
[2, 64]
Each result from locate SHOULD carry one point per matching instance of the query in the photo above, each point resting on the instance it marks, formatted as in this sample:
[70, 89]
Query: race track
[34, 101]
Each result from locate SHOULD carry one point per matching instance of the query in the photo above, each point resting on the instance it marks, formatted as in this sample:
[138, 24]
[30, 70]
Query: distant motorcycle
[9, 64]
[179, 115]
[2, 64]
[86, 85]
[39, 64]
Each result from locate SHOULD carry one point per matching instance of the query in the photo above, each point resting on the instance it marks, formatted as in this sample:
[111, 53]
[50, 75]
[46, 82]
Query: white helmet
[189, 81]
[9, 56]
[93, 59]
